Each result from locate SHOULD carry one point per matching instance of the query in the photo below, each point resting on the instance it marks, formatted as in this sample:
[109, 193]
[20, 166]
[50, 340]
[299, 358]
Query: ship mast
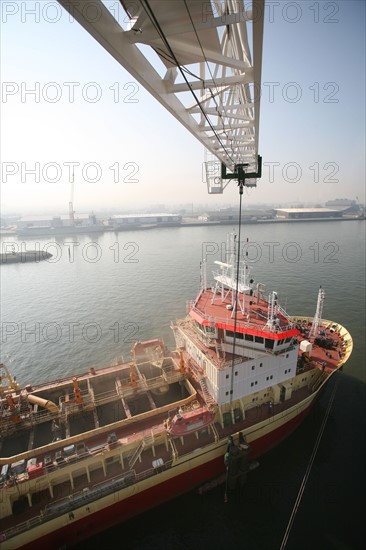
[272, 320]
[203, 270]
[231, 281]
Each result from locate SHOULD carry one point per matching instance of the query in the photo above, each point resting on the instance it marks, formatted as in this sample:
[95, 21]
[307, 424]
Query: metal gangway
[202, 60]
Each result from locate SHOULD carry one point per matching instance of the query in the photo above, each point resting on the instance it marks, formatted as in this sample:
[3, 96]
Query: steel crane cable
[209, 69]
[240, 185]
[308, 469]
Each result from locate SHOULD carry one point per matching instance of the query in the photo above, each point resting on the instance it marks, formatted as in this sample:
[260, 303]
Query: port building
[307, 213]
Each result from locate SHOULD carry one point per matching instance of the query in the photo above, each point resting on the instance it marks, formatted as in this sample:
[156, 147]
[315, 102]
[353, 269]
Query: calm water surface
[99, 294]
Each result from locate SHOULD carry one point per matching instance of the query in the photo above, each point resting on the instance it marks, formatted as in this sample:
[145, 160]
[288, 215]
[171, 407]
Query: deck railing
[80, 498]
[27, 421]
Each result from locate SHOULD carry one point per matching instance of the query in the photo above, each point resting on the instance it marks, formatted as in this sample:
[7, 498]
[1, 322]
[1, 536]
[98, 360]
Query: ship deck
[148, 462]
[132, 439]
[211, 308]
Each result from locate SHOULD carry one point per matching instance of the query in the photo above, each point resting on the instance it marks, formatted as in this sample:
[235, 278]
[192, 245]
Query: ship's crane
[211, 76]
[8, 384]
[318, 314]
[8, 387]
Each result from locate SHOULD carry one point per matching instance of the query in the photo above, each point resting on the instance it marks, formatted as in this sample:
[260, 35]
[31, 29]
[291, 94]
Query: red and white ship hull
[188, 473]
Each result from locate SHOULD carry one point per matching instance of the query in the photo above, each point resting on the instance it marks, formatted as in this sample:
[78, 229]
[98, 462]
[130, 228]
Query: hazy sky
[312, 115]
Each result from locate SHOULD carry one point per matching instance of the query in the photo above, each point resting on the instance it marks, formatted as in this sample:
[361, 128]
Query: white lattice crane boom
[211, 77]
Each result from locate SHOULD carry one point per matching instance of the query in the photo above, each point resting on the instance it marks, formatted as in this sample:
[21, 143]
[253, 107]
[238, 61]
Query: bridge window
[259, 339]
[269, 343]
[239, 335]
[249, 337]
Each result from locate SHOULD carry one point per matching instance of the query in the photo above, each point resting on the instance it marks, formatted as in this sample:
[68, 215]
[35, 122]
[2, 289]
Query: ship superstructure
[238, 342]
[80, 454]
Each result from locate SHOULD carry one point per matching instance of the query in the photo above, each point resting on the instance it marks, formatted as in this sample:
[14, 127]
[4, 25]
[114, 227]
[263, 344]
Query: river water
[98, 294]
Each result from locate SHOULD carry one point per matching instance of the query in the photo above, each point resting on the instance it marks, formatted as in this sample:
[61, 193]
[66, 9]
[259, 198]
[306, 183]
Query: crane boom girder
[208, 80]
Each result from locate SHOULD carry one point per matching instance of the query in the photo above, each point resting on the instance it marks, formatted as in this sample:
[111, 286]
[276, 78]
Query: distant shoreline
[191, 223]
[274, 220]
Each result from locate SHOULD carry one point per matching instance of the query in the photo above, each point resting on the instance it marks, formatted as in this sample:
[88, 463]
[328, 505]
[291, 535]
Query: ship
[86, 452]
[14, 257]
[58, 228]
